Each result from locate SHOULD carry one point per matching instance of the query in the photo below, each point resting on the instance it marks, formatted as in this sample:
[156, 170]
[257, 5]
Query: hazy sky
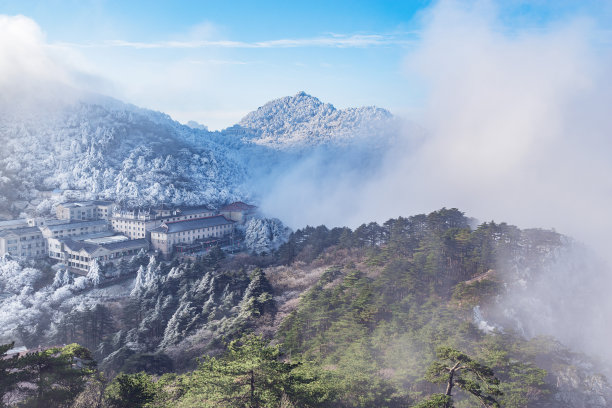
[215, 61]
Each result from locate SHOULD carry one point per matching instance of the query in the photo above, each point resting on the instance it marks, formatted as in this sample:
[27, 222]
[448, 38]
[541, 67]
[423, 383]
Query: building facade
[73, 229]
[22, 243]
[85, 210]
[137, 224]
[171, 233]
[238, 211]
[81, 254]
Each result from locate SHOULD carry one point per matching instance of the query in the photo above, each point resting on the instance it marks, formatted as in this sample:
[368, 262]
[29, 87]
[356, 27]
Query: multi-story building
[238, 211]
[85, 210]
[73, 229]
[188, 231]
[25, 242]
[55, 246]
[13, 224]
[81, 254]
[138, 223]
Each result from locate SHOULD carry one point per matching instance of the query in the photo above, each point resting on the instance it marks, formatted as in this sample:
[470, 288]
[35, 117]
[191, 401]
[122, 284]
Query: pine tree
[455, 368]
[94, 274]
[251, 374]
[138, 282]
[58, 279]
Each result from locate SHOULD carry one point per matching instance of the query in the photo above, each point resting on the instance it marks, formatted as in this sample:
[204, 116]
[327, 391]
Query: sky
[213, 62]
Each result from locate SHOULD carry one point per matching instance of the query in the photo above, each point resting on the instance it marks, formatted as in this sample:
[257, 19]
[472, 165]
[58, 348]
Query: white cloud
[333, 40]
[32, 72]
[519, 130]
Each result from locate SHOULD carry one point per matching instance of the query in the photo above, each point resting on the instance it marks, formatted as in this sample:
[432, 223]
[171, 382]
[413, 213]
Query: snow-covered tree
[139, 282]
[265, 234]
[58, 279]
[67, 278]
[94, 274]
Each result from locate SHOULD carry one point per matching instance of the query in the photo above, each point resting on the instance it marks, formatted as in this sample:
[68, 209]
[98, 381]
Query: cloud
[333, 41]
[24, 53]
[32, 72]
[518, 130]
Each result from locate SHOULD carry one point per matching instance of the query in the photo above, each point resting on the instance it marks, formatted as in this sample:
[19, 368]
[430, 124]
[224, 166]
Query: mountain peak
[304, 119]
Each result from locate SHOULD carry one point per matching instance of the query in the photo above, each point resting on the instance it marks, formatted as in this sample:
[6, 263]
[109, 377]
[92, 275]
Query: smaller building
[25, 242]
[55, 246]
[186, 232]
[72, 229]
[139, 223]
[13, 224]
[239, 212]
[85, 210]
[81, 254]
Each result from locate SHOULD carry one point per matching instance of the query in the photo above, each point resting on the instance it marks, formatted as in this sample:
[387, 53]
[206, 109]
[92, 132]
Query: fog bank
[518, 130]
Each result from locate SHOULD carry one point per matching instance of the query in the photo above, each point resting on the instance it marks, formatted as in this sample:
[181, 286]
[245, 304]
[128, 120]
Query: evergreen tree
[139, 282]
[455, 368]
[94, 274]
[252, 375]
[54, 377]
[130, 390]
[9, 376]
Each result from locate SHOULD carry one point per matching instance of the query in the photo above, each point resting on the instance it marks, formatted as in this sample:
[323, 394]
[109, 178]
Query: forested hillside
[342, 318]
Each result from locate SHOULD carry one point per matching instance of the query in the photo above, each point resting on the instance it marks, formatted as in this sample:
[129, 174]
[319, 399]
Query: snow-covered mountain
[108, 149]
[304, 120]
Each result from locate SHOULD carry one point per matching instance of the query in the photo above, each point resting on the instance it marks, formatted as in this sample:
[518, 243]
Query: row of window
[26, 238]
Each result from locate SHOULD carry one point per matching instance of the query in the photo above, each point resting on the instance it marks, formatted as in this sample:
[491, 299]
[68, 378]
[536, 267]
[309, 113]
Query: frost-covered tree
[265, 235]
[94, 274]
[58, 279]
[139, 282]
[257, 297]
[67, 279]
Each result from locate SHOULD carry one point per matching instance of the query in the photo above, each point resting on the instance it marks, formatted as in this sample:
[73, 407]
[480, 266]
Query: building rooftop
[13, 223]
[91, 248]
[238, 206]
[129, 244]
[156, 213]
[71, 225]
[53, 221]
[194, 210]
[102, 202]
[80, 245]
[73, 204]
[20, 231]
[186, 225]
[88, 237]
[106, 239]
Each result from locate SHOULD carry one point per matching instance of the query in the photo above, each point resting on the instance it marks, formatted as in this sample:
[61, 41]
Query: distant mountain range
[108, 149]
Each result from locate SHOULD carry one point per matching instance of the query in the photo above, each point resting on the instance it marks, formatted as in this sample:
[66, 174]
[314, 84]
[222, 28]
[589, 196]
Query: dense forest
[386, 315]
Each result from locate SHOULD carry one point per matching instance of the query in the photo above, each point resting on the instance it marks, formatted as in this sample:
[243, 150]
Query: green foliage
[477, 292]
[385, 322]
[9, 376]
[52, 377]
[435, 401]
[130, 390]
[251, 374]
[455, 368]
[158, 363]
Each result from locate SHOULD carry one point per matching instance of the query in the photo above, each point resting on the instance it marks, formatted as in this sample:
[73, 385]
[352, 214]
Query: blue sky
[215, 61]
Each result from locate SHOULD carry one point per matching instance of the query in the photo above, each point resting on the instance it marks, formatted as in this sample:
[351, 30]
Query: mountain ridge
[114, 150]
[303, 119]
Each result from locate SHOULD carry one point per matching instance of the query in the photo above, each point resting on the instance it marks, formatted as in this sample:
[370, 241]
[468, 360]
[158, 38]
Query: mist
[517, 130]
[37, 78]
